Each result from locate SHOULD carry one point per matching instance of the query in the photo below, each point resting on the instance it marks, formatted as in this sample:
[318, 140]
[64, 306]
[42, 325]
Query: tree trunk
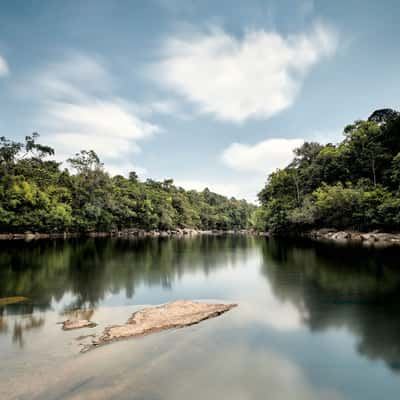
[297, 190]
[373, 172]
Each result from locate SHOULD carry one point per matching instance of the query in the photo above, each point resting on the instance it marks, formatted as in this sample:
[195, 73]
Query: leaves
[354, 184]
[36, 195]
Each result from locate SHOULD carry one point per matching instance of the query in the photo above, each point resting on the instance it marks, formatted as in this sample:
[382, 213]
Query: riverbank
[125, 233]
[374, 238]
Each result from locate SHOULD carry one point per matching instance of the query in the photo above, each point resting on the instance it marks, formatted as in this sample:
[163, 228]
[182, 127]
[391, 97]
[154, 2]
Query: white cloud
[240, 186]
[235, 79]
[4, 70]
[253, 163]
[263, 157]
[79, 111]
[78, 76]
[224, 188]
[107, 127]
[164, 107]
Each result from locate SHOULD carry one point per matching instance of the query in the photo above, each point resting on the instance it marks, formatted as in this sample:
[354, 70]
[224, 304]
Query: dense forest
[354, 184]
[37, 194]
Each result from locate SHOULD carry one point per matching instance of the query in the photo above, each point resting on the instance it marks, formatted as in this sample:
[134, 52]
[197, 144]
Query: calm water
[313, 322]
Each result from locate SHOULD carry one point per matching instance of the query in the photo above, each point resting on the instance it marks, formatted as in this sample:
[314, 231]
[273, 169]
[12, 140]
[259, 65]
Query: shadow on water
[350, 287]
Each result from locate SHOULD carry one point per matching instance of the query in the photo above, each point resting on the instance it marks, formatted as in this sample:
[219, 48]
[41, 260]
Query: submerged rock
[84, 337]
[155, 319]
[11, 300]
[70, 324]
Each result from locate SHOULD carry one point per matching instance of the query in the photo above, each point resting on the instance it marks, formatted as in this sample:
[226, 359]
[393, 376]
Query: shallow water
[315, 321]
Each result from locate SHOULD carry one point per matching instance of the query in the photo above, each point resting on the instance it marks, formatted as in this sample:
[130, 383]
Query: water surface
[314, 321]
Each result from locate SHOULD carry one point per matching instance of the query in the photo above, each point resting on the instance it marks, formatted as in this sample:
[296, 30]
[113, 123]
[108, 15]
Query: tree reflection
[24, 324]
[89, 270]
[351, 287]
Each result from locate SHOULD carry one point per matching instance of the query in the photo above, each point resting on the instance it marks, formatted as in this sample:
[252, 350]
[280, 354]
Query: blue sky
[210, 93]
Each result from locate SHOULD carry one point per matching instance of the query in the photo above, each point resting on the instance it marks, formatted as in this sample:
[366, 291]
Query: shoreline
[372, 238]
[127, 233]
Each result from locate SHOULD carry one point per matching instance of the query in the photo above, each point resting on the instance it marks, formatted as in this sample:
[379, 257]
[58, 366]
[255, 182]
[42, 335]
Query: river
[314, 321]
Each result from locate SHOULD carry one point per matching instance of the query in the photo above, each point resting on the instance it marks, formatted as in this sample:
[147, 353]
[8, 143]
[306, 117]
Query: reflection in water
[26, 323]
[350, 287]
[90, 269]
[79, 314]
[302, 306]
[3, 325]
[21, 323]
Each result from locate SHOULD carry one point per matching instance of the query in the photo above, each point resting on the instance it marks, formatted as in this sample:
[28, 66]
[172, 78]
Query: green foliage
[354, 184]
[36, 195]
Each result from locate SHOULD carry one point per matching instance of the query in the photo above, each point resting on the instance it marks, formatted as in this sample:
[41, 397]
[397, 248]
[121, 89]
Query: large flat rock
[155, 319]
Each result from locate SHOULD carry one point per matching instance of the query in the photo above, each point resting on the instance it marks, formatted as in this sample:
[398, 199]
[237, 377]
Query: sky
[210, 93]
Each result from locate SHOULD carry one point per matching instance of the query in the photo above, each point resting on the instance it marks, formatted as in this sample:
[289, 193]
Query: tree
[353, 184]
[364, 147]
[395, 173]
[85, 161]
[133, 176]
[8, 154]
[36, 195]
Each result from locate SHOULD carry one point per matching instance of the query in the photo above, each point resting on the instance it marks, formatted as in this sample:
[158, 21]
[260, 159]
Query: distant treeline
[351, 185]
[36, 194]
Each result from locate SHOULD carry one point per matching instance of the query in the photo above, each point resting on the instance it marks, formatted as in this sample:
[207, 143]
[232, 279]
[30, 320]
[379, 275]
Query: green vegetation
[37, 195]
[352, 185]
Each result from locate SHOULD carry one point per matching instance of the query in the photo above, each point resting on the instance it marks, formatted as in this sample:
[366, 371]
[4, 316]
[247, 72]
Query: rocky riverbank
[374, 238]
[28, 236]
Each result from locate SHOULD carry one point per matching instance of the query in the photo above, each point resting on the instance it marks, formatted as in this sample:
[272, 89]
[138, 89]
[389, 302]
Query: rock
[11, 300]
[29, 236]
[385, 237]
[355, 236]
[374, 238]
[369, 237]
[125, 233]
[84, 337]
[155, 319]
[70, 324]
[342, 235]
[188, 231]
